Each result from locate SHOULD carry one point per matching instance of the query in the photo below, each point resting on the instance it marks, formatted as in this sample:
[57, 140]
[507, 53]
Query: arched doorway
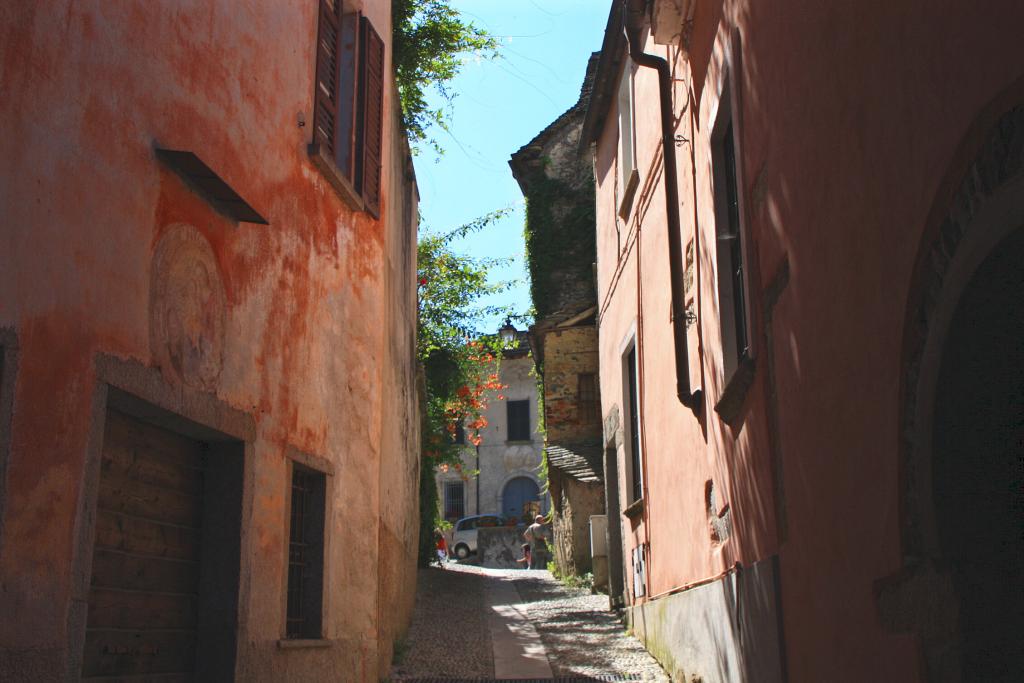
[521, 498]
[958, 590]
[978, 459]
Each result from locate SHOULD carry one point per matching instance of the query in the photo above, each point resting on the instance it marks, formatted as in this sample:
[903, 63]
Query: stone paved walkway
[464, 617]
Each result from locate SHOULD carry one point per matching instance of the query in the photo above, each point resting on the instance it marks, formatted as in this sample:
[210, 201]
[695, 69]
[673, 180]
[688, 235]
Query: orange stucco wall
[850, 119]
[310, 299]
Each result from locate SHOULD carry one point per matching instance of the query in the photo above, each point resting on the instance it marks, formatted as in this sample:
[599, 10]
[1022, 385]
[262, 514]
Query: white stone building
[509, 456]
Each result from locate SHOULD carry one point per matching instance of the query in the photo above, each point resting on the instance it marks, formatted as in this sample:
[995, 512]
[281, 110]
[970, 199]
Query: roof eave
[612, 51]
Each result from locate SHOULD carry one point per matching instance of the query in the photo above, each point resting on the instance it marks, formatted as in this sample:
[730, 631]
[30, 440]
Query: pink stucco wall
[89, 90]
[851, 119]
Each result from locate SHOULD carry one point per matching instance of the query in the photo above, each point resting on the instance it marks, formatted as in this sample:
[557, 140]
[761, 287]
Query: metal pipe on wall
[633, 17]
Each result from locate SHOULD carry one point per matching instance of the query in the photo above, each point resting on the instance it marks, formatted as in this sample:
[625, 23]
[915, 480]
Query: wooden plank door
[143, 599]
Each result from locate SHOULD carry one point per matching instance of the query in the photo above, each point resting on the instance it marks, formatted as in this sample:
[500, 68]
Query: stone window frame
[518, 437]
[324, 469]
[633, 460]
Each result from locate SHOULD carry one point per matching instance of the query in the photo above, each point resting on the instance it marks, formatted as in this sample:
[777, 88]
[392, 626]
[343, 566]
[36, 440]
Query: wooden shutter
[325, 118]
[371, 115]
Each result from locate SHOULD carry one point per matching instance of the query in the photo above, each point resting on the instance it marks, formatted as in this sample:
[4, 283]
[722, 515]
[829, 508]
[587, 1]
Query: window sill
[635, 509]
[628, 192]
[518, 442]
[303, 643]
[731, 402]
[322, 160]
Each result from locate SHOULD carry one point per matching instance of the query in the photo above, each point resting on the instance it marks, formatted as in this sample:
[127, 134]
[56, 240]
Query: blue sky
[501, 105]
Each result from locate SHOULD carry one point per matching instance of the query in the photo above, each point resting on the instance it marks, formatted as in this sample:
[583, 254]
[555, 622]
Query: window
[349, 102]
[454, 499]
[632, 401]
[306, 554]
[459, 437]
[519, 420]
[629, 177]
[729, 233]
[586, 398]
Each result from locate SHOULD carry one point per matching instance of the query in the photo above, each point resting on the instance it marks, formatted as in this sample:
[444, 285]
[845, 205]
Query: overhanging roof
[581, 461]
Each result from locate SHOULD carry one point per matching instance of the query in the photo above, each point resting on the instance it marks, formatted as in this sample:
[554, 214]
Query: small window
[586, 398]
[459, 437]
[349, 101]
[519, 420]
[628, 177]
[306, 554]
[455, 501]
[636, 486]
[729, 237]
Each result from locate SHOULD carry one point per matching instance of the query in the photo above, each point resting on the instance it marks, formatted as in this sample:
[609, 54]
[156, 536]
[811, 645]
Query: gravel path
[581, 636]
[449, 636]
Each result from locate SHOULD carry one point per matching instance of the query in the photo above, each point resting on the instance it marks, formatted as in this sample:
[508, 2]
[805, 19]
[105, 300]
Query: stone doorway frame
[980, 202]
[141, 392]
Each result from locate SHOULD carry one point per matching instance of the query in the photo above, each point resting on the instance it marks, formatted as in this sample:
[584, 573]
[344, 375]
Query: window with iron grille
[729, 237]
[349, 102]
[519, 420]
[633, 402]
[586, 398]
[454, 499]
[306, 554]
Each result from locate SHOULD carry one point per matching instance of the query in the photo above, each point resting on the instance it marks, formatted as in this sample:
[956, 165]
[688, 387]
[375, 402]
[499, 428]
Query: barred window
[454, 499]
[306, 554]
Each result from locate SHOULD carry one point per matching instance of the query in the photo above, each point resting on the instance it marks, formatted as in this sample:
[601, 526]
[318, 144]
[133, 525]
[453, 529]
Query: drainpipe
[633, 16]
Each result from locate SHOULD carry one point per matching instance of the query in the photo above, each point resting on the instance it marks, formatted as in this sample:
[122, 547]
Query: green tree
[459, 359]
[431, 42]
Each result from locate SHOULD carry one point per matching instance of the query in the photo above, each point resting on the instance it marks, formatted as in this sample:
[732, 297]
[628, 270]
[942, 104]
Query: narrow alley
[473, 623]
[713, 307]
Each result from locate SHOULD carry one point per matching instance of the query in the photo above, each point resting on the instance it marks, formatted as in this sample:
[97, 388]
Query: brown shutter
[371, 115]
[326, 97]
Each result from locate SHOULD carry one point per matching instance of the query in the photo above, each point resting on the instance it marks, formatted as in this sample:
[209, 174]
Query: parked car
[464, 533]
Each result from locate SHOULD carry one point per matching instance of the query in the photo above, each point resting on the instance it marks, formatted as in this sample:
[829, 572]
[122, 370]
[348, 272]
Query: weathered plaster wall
[306, 325]
[400, 423]
[843, 151]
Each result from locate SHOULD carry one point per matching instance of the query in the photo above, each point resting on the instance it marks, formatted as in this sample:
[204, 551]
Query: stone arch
[981, 205]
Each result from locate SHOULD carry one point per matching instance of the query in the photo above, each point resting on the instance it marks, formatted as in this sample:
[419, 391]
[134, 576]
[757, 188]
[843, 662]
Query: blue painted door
[521, 497]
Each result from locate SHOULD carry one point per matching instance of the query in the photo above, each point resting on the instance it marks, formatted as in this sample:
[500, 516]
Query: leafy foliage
[560, 238]
[460, 362]
[431, 43]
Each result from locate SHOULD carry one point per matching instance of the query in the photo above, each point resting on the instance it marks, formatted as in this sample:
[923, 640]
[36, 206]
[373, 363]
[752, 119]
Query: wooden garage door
[145, 576]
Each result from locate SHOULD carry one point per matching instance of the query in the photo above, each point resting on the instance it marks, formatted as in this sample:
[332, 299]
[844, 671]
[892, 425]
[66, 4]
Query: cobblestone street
[488, 624]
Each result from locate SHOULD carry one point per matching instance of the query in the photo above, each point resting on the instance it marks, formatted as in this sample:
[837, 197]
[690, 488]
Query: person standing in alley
[536, 535]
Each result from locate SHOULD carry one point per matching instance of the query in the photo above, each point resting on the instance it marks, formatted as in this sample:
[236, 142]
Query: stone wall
[500, 547]
[568, 353]
[576, 502]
